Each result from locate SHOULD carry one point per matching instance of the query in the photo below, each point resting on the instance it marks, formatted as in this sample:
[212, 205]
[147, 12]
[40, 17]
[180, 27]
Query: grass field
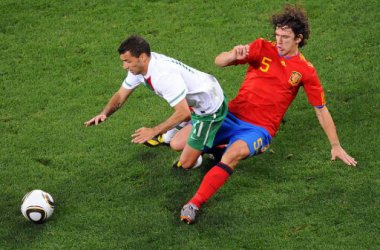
[59, 66]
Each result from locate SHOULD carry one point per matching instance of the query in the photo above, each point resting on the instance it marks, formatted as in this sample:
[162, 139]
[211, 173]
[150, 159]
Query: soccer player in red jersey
[276, 71]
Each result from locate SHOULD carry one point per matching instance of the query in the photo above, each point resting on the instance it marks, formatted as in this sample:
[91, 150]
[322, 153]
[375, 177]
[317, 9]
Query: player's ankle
[196, 200]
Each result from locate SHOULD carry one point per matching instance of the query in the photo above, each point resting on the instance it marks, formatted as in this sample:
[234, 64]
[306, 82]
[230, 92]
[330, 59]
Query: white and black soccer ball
[37, 206]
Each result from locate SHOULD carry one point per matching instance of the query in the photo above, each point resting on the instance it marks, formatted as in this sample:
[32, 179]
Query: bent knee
[234, 154]
[177, 145]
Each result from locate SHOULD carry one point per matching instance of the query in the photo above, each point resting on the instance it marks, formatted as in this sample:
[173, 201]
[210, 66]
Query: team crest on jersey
[295, 78]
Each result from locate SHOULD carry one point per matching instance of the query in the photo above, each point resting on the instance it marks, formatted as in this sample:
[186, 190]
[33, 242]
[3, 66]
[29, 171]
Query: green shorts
[204, 127]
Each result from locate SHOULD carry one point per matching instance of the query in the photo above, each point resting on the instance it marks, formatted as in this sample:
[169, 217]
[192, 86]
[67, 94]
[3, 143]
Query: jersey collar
[289, 57]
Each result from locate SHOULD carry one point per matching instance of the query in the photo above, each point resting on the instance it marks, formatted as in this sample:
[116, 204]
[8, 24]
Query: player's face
[133, 64]
[287, 43]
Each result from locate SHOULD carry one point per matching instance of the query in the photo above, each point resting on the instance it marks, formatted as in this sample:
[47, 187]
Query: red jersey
[271, 84]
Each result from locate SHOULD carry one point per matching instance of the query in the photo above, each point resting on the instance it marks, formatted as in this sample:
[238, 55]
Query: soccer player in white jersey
[190, 92]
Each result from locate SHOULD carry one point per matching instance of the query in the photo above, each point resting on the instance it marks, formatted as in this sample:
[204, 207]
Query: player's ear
[143, 57]
[299, 38]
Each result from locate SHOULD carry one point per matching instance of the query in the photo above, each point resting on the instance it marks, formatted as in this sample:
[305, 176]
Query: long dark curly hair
[294, 17]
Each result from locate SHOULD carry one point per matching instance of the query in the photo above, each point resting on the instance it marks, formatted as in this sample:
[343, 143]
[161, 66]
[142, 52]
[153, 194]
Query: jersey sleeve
[313, 88]
[132, 81]
[254, 52]
[172, 88]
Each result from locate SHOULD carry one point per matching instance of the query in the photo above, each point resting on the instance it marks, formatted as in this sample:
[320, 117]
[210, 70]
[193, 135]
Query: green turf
[58, 67]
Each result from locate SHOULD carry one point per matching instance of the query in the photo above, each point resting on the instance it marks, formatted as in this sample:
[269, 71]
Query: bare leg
[236, 152]
[179, 141]
[189, 157]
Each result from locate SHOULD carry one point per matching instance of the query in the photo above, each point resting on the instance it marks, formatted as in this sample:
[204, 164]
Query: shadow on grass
[19, 233]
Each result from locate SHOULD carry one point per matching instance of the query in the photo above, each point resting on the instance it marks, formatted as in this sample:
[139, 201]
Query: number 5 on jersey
[265, 64]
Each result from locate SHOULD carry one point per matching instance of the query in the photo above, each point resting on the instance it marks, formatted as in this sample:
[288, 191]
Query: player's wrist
[104, 113]
[156, 131]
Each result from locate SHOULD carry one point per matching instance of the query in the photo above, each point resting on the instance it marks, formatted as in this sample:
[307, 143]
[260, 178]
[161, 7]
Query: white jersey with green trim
[174, 81]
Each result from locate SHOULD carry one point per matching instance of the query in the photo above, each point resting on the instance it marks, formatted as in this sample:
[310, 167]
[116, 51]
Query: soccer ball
[37, 206]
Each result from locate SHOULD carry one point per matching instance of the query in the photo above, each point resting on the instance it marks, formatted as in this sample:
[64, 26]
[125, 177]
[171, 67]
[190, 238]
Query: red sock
[211, 182]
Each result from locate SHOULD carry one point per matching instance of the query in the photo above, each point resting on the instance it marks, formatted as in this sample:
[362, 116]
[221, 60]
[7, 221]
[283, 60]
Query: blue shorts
[234, 129]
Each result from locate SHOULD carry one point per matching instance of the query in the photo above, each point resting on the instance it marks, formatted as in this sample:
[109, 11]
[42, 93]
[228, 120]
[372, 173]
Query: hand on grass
[338, 152]
[143, 134]
[96, 120]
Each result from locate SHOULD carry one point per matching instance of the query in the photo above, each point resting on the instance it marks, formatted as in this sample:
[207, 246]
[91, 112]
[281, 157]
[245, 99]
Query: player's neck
[290, 54]
[146, 66]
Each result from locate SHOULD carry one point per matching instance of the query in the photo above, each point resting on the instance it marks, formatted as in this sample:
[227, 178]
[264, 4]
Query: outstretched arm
[113, 104]
[328, 126]
[181, 113]
[239, 52]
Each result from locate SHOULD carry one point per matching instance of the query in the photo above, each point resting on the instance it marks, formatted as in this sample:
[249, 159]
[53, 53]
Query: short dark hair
[294, 17]
[136, 45]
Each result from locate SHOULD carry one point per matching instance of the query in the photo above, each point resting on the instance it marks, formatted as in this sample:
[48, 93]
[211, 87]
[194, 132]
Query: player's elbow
[218, 62]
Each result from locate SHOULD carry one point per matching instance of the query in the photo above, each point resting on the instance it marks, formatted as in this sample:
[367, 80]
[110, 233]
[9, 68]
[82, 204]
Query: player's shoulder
[163, 62]
[161, 69]
[158, 59]
[158, 56]
[260, 44]
[159, 64]
[306, 62]
[263, 41]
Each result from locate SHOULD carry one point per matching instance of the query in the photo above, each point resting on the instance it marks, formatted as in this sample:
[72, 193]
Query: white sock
[168, 136]
[199, 162]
